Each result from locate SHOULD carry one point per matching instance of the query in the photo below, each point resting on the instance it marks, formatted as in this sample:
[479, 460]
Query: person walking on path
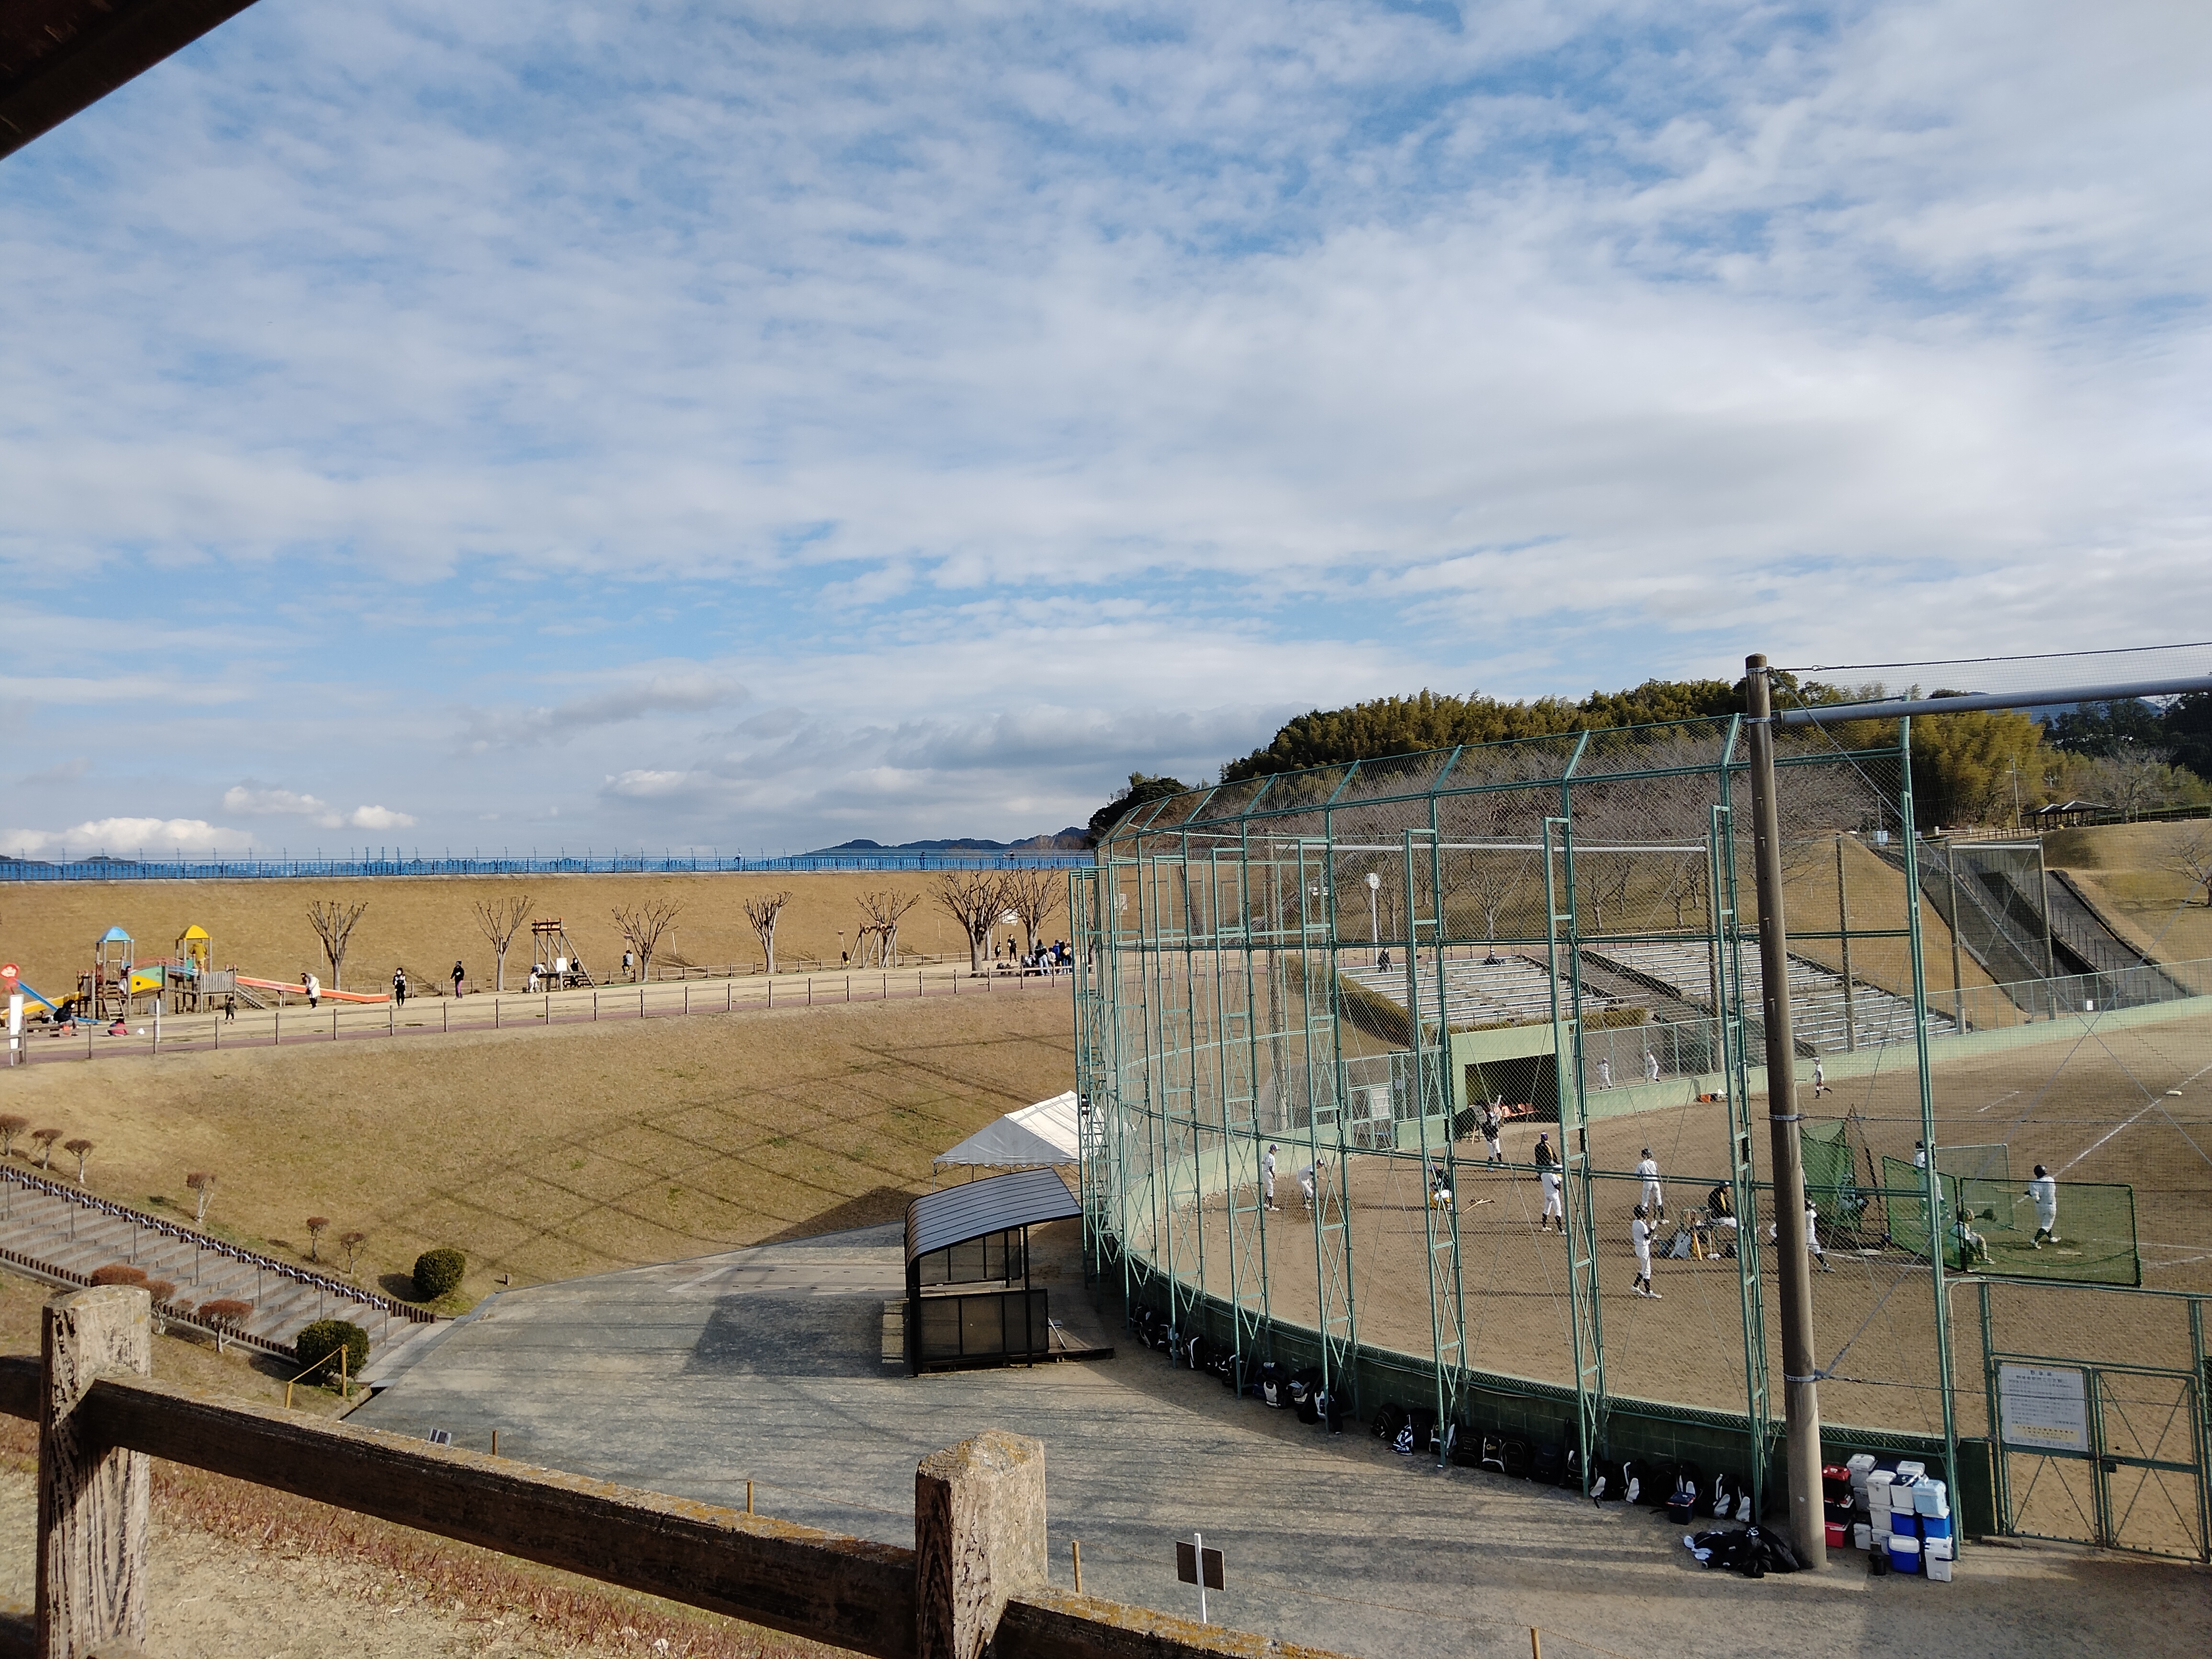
[313, 987]
[1819, 1077]
[399, 986]
[1267, 1178]
[1491, 1128]
[1547, 1170]
[2043, 1189]
[457, 978]
[1639, 1235]
[230, 1008]
[1604, 1073]
[1654, 1201]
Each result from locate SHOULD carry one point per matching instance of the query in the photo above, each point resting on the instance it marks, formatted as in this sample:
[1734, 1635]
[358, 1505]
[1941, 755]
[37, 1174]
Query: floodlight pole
[1800, 1389]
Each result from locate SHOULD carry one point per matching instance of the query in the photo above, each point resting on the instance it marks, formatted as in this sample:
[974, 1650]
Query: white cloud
[126, 837]
[284, 803]
[680, 692]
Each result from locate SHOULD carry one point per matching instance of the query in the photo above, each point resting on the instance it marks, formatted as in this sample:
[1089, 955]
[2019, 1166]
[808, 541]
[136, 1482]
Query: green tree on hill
[1142, 789]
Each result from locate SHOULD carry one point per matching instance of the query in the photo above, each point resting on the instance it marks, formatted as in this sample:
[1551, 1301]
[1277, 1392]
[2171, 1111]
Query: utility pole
[1801, 1389]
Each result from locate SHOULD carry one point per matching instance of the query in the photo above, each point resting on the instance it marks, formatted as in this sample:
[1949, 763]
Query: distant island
[1073, 839]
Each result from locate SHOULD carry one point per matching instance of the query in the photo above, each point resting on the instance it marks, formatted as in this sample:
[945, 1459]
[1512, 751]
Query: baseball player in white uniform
[1650, 1066]
[2043, 1189]
[1547, 1168]
[1267, 1178]
[1639, 1235]
[1654, 1201]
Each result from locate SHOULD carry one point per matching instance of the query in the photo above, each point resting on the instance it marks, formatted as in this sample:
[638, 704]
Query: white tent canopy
[1043, 1133]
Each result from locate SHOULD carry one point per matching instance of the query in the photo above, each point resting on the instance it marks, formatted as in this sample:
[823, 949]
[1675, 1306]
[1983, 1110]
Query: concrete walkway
[769, 1364]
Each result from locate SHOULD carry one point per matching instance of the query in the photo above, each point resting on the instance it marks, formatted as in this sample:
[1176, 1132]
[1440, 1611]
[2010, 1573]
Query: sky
[748, 427]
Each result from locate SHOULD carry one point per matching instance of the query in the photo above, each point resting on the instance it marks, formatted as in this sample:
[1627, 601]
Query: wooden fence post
[979, 1539]
[92, 1500]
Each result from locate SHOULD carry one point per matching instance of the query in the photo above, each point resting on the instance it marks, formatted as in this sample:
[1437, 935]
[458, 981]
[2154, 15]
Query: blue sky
[751, 426]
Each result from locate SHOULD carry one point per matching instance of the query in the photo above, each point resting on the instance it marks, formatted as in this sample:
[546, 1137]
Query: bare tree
[350, 1243]
[1034, 896]
[2192, 857]
[81, 1149]
[877, 944]
[202, 1183]
[45, 1138]
[334, 923]
[762, 913]
[641, 927]
[11, 1125]
[316, 1224]
[2134, 779]
[976, 899]
[499, 920]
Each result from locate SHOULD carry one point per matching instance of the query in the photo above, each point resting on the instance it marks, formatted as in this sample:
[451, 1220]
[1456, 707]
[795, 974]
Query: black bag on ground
[1490, 1453]
[1723, 1493]
[1274, 1386]
[1570, 1476]
[1547, 1463]
[1517, 1459]
[1389, 1421]
[1419, 1434]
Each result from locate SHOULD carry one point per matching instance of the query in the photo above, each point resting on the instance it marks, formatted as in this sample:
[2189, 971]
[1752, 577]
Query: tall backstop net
[1308, 1004]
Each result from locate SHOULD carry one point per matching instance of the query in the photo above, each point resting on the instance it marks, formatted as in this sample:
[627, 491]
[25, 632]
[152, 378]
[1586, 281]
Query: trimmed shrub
[226, 1310]
[162, 1291]
[439, 1271]
[119, 1273]
[325, 1338]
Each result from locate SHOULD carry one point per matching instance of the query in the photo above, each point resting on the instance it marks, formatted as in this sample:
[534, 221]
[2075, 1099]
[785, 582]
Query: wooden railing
[974, 1580]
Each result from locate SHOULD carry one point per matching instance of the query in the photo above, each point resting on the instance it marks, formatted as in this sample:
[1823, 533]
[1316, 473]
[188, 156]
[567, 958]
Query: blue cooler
[1904, 1523]
[1936, 1535]
[1904, 1554]
[1931, 1497]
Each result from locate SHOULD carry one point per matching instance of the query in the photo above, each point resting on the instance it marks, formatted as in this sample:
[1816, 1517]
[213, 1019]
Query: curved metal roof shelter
[936, 1221]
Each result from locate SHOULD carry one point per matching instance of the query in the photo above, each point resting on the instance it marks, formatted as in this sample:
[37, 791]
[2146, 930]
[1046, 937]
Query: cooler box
[1908, 1470]
[1904, 1554]
[1862, 1536]
[1939, 1569]
[1877, 1489]
[1901, 1497]
[1929, 1497]
[1939, 1549]
[1904, 1523]
[1860, 1465]
[1837, 1532]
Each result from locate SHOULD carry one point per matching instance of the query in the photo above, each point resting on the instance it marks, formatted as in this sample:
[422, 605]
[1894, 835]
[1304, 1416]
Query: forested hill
[1407, 726]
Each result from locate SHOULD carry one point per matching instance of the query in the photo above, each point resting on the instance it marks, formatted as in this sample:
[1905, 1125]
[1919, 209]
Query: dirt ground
[2095, 1110]
[548, 1152]
[424, 923]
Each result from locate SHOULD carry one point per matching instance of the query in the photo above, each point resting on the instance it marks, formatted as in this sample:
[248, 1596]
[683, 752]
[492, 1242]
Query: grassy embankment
[545, 1154]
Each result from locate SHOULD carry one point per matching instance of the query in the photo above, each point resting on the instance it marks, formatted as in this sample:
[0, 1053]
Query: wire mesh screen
[1387, 1058]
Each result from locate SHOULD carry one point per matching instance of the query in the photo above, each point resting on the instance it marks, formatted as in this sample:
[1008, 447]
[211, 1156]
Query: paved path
[61, 1233]
[691, 1377]
[432, 1015]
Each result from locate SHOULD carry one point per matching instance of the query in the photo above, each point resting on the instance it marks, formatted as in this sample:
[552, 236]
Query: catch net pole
[1801, 1388]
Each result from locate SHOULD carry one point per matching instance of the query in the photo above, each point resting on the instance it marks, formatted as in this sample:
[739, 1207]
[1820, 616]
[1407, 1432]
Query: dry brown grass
[546, 1153]
[2126, 870]
[424, 923]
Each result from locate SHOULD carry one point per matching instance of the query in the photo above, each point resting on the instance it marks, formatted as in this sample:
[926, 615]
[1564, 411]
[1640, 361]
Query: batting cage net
[1381, 1061]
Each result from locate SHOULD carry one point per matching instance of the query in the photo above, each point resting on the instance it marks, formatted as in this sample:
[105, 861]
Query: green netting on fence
[2096, 1242]
[1988, 1226]
[1831, 1174]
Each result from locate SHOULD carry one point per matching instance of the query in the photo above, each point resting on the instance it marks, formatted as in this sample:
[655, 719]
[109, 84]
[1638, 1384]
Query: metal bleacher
[1507, 989]
[1818, 999]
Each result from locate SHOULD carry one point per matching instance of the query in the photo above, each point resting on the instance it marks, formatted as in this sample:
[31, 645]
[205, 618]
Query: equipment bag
[1633, 1477]
[1545, 1467]
[1274, 1387]
[1517, 1459]
[1722, 1496]
[1389, 1421]
[1492, 1453]
[1422, 1420]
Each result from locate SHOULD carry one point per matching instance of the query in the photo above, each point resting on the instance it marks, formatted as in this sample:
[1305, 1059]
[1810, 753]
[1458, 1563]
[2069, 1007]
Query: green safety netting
[1989, 1226]
[1831, 1180]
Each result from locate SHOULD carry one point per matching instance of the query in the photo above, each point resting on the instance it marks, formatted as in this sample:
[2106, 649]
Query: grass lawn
[545, 1154]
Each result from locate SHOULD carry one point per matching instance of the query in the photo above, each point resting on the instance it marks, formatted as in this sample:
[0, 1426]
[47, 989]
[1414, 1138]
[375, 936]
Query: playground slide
[37, 996]
[302, 990]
